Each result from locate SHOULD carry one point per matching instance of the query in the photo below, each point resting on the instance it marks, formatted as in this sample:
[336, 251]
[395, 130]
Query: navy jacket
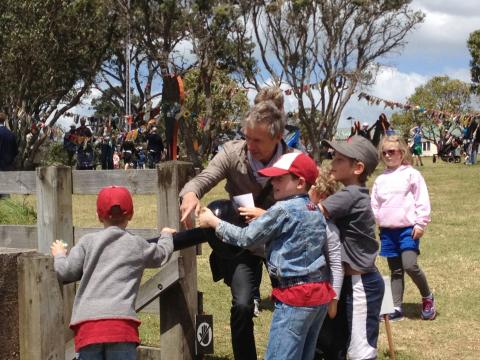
[8, 149]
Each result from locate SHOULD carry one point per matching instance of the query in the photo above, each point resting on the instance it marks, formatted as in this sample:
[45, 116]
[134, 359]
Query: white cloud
[443, 34]
[464, 8]
[390, 84]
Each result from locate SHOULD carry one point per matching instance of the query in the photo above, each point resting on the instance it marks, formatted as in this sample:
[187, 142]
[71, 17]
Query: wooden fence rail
[175, 283]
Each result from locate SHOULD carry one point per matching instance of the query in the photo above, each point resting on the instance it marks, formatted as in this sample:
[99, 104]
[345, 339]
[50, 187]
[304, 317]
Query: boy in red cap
[293, 231]
[109, 265]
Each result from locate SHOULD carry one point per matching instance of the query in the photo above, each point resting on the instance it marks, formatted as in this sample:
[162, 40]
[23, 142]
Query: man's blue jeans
[109, 351]
[294, 331]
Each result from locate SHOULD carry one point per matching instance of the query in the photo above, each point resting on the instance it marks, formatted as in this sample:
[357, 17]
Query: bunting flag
[436, 115]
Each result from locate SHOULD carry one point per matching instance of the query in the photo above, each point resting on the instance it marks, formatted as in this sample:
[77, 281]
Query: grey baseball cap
[359, 148]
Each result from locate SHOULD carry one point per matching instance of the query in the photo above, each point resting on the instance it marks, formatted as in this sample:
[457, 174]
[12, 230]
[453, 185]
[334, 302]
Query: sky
[436, 47]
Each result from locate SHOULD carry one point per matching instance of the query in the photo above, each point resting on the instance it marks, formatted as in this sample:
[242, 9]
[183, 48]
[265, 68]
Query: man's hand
[207, 218]
[189, 204]
[417, 232]
[251, 213]
[58, 247]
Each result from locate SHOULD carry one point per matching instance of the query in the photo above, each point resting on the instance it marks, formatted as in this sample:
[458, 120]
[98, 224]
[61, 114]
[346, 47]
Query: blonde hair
[274, 94]
[325, 185]
[266, 112]
[402, 146]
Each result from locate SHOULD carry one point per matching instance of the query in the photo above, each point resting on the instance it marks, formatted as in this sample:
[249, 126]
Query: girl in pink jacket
[401, 207]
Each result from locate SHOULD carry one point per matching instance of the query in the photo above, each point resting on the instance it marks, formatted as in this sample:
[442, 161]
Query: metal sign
[203, 334]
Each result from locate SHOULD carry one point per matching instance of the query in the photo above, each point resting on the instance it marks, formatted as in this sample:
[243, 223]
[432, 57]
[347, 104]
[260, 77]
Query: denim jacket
[293, 231]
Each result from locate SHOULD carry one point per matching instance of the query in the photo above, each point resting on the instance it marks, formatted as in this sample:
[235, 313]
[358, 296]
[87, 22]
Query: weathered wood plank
[40, 309]
[25, 236]
[55, 220]
[177, 324]
[152, 309]
[54, 206]
[18, 236]
[169, 274]
[9, 342]
[141, 181]
[17, 182]
[148, 353]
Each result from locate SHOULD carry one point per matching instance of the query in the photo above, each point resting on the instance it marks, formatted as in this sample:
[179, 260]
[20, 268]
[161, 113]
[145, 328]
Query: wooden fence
[175, 284]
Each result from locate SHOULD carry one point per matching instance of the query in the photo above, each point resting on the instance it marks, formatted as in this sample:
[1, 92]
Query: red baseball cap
[296, 163]
[110, 196]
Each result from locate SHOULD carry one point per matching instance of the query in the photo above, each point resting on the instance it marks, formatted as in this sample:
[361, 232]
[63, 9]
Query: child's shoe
[397, 315]
[256, 307]
[429, 312]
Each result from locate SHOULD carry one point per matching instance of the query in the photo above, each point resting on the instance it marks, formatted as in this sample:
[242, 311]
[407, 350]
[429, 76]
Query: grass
[450, 256]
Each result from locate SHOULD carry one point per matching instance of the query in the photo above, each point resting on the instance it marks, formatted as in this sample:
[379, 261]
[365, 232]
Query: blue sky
[436, 47]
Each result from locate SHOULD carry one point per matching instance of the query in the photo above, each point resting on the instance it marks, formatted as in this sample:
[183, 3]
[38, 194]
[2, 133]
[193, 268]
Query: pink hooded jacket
[400, 198]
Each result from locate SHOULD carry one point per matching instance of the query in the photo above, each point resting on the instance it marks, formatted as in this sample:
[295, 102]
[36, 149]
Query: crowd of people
[141, 147]
[312, 227]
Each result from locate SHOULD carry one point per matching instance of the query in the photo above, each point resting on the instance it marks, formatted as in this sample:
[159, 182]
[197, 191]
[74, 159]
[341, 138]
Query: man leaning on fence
[239, 162]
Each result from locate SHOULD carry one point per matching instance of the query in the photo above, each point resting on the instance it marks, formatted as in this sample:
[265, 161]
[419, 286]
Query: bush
[55, 155]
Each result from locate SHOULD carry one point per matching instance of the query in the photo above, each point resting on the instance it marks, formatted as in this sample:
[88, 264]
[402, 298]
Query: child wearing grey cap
[356, 324]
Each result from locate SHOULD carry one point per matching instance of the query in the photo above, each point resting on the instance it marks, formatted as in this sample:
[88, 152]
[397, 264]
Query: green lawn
[450, 258]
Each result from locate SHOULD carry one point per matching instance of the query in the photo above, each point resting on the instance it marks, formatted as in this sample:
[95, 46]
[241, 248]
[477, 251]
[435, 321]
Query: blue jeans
[294, 331]
[109, 351]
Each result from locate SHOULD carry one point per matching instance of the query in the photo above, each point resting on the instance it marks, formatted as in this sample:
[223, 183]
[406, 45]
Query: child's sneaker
[428, 310]
[397, 315]
[256, 307]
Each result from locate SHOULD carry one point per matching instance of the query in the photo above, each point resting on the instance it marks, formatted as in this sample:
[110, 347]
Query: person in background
[8, 145]
[401, 207]
[109, 265]
[155, 146]
[324, 186]
[69, 144]
[106, 151]
[417, 134]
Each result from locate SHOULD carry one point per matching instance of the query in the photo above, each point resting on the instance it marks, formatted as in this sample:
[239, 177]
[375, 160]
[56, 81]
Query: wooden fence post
[55, 220]
[40, 307]
[30, 307]
[178, 304]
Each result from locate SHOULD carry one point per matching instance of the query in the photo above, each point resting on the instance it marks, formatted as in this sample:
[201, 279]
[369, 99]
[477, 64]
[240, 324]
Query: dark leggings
[398, 265]
[242, 276]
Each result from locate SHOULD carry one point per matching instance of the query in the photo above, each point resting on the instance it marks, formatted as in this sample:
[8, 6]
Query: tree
[326, 50]
[228, 102]
[473, 44]
[430, 104]
[152, 28]
[50, 53]
[220, 43]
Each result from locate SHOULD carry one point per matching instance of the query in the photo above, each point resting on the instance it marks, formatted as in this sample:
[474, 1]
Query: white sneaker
[256, 307]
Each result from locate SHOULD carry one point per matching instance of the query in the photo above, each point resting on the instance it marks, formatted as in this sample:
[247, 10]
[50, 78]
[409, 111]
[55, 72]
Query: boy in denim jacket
[293, 231]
